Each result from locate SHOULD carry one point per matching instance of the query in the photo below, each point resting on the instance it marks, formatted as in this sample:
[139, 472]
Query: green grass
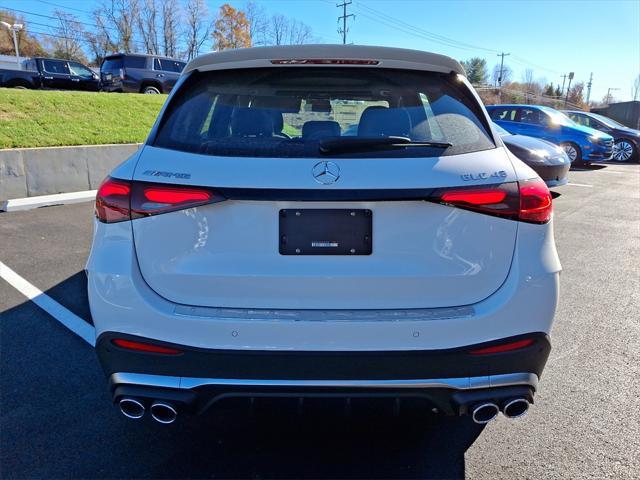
[40, 118]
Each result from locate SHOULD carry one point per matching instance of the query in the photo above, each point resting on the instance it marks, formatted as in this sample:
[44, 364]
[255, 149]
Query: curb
[18, 204]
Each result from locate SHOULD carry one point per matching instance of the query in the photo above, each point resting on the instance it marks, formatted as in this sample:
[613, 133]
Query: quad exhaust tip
[484, 413]
[515, 408]
[131, 408]
[163, 412]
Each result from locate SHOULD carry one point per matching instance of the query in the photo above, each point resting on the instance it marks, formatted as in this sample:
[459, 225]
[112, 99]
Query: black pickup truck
[51, 73]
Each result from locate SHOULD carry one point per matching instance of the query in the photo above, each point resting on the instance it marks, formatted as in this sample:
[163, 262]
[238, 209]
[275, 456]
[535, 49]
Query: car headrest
[251, 122]
[379, 121]
[316, 129]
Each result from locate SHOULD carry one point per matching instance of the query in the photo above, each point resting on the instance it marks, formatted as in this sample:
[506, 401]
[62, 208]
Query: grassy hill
[41, 118]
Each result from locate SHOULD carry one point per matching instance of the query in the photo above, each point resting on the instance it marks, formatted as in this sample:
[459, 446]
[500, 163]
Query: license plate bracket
[325, 231]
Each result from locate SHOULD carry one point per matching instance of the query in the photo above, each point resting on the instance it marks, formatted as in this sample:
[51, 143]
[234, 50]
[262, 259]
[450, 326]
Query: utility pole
[609, 94]
[14, 29]
[564, 79]
[566, 99]
[501, 55]
[589, 87]
[344, 18]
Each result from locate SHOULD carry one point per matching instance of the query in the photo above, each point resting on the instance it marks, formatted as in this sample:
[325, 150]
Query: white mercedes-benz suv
[324, 220]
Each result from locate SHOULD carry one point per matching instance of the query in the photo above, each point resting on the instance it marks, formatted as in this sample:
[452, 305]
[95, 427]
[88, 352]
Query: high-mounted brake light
[119, 200]
[505, 347]
[144, 347]
[323, 61]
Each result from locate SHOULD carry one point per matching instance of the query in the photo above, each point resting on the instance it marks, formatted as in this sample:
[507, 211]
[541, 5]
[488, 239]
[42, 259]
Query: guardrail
[28, 172]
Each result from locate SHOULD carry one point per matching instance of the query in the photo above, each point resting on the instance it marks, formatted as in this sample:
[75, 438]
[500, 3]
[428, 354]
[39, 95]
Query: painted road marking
[49, 305]
[579, 185]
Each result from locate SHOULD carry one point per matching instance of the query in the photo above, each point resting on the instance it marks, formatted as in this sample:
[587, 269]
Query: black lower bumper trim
[343, 365]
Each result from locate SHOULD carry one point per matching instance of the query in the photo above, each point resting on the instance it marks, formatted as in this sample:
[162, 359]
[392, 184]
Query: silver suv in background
[135, 73]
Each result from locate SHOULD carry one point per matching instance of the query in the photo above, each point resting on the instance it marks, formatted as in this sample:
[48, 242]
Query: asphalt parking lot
[56, 420]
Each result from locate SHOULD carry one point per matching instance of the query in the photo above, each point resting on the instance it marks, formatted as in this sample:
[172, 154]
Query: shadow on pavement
[57, 421]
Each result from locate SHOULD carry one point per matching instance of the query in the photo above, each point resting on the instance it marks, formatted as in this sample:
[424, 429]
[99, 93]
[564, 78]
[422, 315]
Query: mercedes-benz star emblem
[326, 172]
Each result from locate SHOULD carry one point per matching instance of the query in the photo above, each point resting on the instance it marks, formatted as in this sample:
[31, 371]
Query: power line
[63, 6]
[344, 18]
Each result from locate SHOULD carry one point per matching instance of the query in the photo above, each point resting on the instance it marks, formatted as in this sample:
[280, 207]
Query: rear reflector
[323, 61]
[505, 347]
[144, 347]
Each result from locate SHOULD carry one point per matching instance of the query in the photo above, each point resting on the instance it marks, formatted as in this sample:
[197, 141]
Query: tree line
[180, 29]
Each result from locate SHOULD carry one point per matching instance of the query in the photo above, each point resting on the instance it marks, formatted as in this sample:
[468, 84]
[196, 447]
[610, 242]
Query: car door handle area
[75, 79]
[160, 75]
[48, 78]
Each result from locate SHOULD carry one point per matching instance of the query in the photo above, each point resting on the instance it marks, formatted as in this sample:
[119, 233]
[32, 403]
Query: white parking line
[49, 305]
[579, 185]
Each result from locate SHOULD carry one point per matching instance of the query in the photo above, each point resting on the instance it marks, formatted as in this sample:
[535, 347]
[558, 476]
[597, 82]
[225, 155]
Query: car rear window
[111, 63]
[271, 112]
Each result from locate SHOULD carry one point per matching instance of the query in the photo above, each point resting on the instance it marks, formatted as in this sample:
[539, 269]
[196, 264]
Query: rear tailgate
[228, 254]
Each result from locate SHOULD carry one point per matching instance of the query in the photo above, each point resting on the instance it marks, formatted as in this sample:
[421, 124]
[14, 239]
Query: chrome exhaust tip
[484, 413]
[515, 408]
[163, 412]
[131, 408]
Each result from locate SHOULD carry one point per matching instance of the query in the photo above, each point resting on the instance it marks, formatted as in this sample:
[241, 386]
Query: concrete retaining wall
[28, 172]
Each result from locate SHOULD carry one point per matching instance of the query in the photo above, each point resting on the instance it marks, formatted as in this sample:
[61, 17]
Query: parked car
[626, 140]
[548, 160]
[52, 73]
[414, 259]
[135, 73]
[582, 144]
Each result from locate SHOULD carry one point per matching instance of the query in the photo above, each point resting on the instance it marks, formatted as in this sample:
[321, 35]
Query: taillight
[536, 205]
[505, 347]
[112, 201]
[144, 347]
[152, 199]
[527, 201]
[499, 200]
[119, 200]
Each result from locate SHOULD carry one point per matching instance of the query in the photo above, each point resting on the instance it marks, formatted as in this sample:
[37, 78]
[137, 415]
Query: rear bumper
[451, 381]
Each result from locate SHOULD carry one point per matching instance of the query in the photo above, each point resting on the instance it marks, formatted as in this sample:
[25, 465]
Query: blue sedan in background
[581, 144]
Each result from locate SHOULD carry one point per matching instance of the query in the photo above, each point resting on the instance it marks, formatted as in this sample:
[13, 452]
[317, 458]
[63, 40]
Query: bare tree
[170, 19]
[116, 20]
[299, 33]
[147, 20]
[258, 23]
[278, 29]
[198, 27]
[68, 37]
[507, 73]
[99, 46]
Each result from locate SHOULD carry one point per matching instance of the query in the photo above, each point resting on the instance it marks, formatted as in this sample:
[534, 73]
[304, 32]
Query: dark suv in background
[136, 73]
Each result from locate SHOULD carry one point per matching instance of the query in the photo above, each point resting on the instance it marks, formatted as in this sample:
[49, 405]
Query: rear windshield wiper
[333, 145]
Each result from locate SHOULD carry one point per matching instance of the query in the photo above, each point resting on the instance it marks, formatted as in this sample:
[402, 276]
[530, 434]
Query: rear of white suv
[323, 220]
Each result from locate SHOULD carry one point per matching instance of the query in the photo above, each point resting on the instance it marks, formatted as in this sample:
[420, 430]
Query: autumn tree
[476, 70]
[28, 45]
[231, 29]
